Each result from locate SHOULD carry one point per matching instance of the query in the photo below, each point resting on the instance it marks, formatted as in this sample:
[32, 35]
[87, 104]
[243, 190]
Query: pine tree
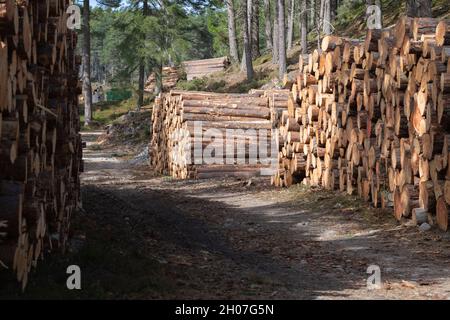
[232, 32]
[282, 40]
[290, 32]
[268, 24]
[247, 45]
[87, 87]
[303, 26]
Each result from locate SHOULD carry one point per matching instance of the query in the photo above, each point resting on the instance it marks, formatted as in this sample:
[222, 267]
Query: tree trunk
[140, 101]
[333, 6]
[248, 17]
[303, 26]
[158, 76]
[325, 16]
[318, 17]
[290, 32]
[312, 10]
[87, 88]
[282, 40]
[418, 8]
[255, 29]
[275, 36]
[247, 44]
[234, 55]
[328, 26]
[268, 24]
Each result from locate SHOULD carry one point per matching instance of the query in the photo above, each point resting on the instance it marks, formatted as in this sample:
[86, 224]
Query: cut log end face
[442, 212]
[37, 63]
[419, 216]
[362, 117]
[399, 208]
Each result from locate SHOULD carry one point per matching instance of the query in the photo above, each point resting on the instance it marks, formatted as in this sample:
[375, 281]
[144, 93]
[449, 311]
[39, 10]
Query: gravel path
[150, 237]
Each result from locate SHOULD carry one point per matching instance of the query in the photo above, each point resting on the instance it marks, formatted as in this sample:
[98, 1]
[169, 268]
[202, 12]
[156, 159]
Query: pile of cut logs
[40, 147]
[170, 77]
[179, 143]
[200, 68]
[372, 117]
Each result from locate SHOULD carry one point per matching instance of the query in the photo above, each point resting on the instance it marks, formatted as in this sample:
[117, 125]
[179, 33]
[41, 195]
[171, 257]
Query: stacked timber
[372, 117]
[187, 125]
[40, 147]
[200, 68]
[277, 102]
[170, 77]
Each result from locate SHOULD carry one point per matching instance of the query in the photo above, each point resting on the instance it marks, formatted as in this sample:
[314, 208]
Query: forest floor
[143, 236]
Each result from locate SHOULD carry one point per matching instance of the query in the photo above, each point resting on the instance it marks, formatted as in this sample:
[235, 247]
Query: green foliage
[218, 27]
[351, 15]
[262, 59]
[193, 40]
[118, 94]
[173, 31]
[349, 10]
[107, 111]
[245, 86]
[224, 82]
[197, 84]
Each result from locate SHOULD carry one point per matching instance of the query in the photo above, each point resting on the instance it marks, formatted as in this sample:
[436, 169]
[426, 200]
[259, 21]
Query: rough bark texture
[418, 8]
[247, 44]
[325, 15]
[247, 13]
[87, 88]
[282, 40]
[275, 35]
[268, 24]
[234, 55]
[312, 17]
[140, 102]
[333, 6]
[255, 29]
[290, 32]
[303, 26]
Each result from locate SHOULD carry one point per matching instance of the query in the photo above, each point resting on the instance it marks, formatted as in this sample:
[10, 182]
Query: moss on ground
[106, 112]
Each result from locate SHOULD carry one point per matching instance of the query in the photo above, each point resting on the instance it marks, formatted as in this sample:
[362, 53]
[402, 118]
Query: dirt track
[143, 236]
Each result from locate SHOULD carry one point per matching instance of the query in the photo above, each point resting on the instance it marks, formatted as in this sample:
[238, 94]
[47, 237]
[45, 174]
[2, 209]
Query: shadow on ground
[147, 237]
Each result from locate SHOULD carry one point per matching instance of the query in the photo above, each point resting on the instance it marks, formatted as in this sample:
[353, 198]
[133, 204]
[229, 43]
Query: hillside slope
[350, 22]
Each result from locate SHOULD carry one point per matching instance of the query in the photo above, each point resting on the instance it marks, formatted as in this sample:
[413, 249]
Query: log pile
[277, 99]
[40, 147]
[170, 77]
[174, 138]
[372, 117]
[200, 68]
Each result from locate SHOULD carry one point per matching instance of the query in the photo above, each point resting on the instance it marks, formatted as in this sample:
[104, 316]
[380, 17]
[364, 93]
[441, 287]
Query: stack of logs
[200, 68]
[170, 77]
[40, 147]
[372, 117]
[176, 117]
